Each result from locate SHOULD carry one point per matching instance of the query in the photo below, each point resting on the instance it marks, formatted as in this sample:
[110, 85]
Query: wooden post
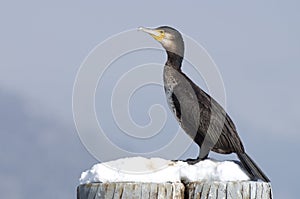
[130, 190]
[191, 190]
[229, 190]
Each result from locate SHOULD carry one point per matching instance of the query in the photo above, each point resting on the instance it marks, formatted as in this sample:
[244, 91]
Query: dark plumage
[199, 115]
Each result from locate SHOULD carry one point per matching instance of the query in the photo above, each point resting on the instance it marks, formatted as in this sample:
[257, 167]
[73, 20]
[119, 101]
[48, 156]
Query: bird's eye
[161, 32]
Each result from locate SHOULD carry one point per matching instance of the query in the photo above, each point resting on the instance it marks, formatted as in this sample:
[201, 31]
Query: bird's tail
[252, 167]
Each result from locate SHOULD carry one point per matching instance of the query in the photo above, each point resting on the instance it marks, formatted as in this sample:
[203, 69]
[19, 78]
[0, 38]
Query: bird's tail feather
[252, 167]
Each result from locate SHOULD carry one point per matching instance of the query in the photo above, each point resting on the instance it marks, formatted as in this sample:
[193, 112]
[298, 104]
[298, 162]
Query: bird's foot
[192, 161]
[189, 161]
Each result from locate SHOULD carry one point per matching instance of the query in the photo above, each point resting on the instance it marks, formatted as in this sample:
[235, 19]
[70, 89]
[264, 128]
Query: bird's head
[169, 38]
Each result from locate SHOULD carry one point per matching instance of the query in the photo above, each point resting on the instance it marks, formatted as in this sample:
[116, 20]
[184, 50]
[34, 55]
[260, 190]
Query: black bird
[199, 115]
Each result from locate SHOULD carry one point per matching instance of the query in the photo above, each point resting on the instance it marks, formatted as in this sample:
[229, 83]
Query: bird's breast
[170, 82]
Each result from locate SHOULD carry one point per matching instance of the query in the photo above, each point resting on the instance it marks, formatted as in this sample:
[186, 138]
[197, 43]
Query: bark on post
[191, 190]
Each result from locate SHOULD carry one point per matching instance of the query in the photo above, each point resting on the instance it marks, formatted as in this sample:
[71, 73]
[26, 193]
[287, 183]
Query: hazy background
[42, 44]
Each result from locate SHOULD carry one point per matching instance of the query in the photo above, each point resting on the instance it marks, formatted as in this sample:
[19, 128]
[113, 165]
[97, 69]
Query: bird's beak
[156, 34]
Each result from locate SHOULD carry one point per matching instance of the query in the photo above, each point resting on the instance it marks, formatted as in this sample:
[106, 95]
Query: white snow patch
[157, 170]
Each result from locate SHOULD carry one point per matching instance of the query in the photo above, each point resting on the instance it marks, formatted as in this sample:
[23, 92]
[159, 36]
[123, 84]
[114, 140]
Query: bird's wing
[209, 118]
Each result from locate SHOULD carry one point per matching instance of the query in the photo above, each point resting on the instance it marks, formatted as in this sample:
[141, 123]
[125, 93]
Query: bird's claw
[192, 161]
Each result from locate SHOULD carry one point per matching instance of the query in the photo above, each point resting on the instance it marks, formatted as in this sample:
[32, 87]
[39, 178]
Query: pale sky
[255, 45]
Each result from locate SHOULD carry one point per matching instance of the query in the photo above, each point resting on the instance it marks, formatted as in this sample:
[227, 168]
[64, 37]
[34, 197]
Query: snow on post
[139, 177]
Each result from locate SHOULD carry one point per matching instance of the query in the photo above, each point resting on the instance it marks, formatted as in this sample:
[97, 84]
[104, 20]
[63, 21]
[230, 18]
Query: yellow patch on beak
[158, 35]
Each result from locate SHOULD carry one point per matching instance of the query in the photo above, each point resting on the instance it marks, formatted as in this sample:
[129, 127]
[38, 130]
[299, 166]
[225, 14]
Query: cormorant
[199, 115]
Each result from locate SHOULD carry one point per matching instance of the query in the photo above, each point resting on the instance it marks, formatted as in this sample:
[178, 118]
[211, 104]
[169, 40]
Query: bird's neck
[174, 60]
